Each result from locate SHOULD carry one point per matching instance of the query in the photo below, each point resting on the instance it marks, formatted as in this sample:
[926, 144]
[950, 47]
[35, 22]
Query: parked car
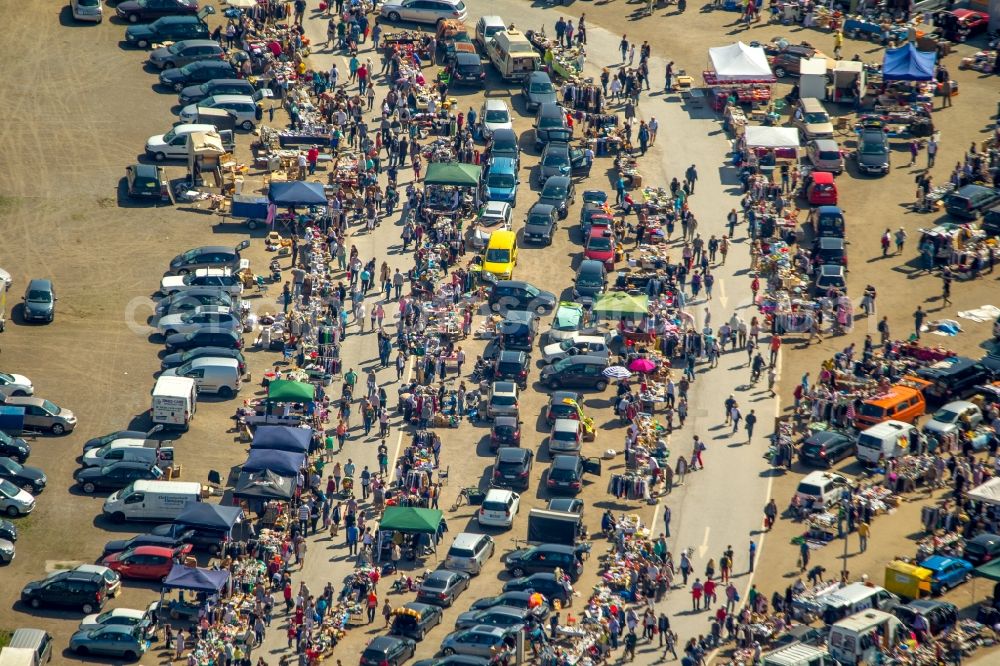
[244, 109]
[954, 416]
[512, 600]
[14, 501]
[508, 295]
[970, 201]
[205, 316]
[98, 442]
[512, 467]
[787, 61]
[825, 155]
[189, 299]
[540, 224]
[504, 143]
[222, 279]
[500, 180]
[551, 125]
[826, 448]
[872, 153]
[543, 583]
[566, 472]
[170, 29]
[600, 247]
[14, 447]
[137, 11]
[812, 119]
[113, 640]
[469, 552]
[193, 93]
[504, 617]
[115, 475]
[512, 365]
[139, 540]
[499, 508]
[8, 530]
[829, 276]
[954, 379]
[424, 11]
[7, 551]
[467, 70]
[590, 282]
[40, 414]
[567, 322]
[442, 587]
[187, 51]
[939, 615]
[479, 641]
[558, 159]
[147, 182]
[208, 256]
[14, 384]
[560, 193]
[503, 400]
[91, 11]
[39, 301]
[31, 479]
[562, 405]
[505, 431]
[125, 617]
[586, 345]
[181, 358]
[492, 216]
[415, 620]
[69, 588]
[146, 562]
[947, 572]
[566, 436]
[454, 660]
[205, 337]
[829, 251]
[982, 548]
[537, 89]
[544, 558]
[576, 372]
[196, 73]
[494, 115]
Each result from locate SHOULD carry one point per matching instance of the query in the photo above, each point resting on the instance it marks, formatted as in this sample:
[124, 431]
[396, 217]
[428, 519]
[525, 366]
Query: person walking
[900, 237]
[752, 555]
[932, 149]
[692, 176]
[751, 419]
[864, 531]
[770, 514]
[946, 288]
[886, 240]
[803, 555]
[918, 320]
[696, 591]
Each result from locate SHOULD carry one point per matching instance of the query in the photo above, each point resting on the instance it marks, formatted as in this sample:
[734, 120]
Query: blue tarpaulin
[284, 463]
[209, 581]
[296, 193]
[282, 438]
[215, 516]
[908, 64]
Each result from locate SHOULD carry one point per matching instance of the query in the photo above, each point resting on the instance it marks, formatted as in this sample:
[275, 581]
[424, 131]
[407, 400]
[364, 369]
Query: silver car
[503, 400]
[201, 317]
[469, 552]
[181, 53]
[825, 155]
[478, 641]
[493, 216]
[424, 11]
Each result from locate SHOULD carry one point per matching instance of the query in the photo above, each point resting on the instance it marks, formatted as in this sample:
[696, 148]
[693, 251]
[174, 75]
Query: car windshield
[599, 243]
[505, 180]
[539, 87]
[829, 155]
[497, 116]
[503, 400]
[945, 415]
[562, 364]
[498, 255]
[7, 379]
[187, 69]
[556, 158]
[88, 3]
[817, 117]
[50, 407]
[588, 280]
[176, 47]
[554, 189]
[872, 147]
[435, 583]
[538, 221]
[491, 220]
[39, 296]
[564, 435]
[8, 489]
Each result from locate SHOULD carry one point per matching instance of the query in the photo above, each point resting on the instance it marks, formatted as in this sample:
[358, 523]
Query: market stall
[451, 193]
[908, 88]
[739, 74]
[282, 438]
[260, 488]
[766, 145]
[283, 463]
[416, 527]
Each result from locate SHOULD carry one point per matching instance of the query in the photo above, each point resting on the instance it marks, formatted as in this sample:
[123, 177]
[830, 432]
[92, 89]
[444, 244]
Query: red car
[601, 246]
[147, 562]
[960, 24]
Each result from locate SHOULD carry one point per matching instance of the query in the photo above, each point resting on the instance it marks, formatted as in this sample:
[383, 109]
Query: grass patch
[5, 636]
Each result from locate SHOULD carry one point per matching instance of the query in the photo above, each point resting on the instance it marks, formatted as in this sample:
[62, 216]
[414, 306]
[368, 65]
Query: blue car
[114, 640]
[500, 181]
[947, 572]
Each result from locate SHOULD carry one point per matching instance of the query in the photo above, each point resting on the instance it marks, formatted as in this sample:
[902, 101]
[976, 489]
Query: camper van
[858, 638]
[175, 400]
[151, 500]
[854, 598]
[799, 654]
[513, 55]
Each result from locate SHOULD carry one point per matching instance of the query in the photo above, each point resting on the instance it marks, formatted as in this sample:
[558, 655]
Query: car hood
[23, 381]
[128, 6]
[136, 31]
[170, 320]
[542, 98]
[869, 159]
[172, 281]
[517, 555]
[33, 474]
[189, 111]
[175, 75]
[115, 546]
[91, 473]
[90, 458]
[190, 93]
[34, 306]
[555, 203]
[176, 339]
[466, 619]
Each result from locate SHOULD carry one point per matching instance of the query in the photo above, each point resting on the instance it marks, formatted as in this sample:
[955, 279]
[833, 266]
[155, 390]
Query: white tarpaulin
[761, 136]
[989, 492]
[740, 62]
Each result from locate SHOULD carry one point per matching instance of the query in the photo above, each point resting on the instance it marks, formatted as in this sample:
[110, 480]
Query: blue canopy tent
[282, 438]
[213, 516]
[908, 64]
[296, 193]
[283, 463]
[210, 581]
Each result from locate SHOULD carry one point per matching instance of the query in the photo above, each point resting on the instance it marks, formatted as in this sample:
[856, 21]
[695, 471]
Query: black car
[206, 337]
[540, 224]
[14, 447]
[31, 479]
[590, 282]
[969, 201]
[73, 589]
[467, 70]
[388, 651]
[166, 29]
[940, 615]
[415, 620]
[537, 89]
[982, 548]
[546, 557]
[503, 143]
[991, 221]
[171, 542]
[442, 587]
[505, 431]
[513, 600]
[208, 256]
[147, 181]
[561, 406]
[513, 366]
[116, 475]
[559, 192]
[8, 531]
[953, 380]
[454, 660]
[566, 472]
[551, 125]
[518, 295]
[200, 71]
[137, 11]
[542, 583]
[872, 153]
[576, 371]
[825, 448]
[518, 330]
[215, 86]
[199, 536]
[98, 442]
[512, 467]
[828, 250]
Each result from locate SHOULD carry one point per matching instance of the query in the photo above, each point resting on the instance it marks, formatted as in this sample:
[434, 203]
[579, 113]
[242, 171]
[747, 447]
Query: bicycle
[470, 495]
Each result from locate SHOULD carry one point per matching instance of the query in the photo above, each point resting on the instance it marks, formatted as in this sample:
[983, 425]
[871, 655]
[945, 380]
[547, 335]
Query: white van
[132, 450]
[173, 144]
[175, 401]
[799, 654]
[13, 656]
[819, 490]
[513, 55]
[487, 28]
[855, 598]
[152, 500]
[856, 639]
[211, 375]
[886, 440]
[37, 641]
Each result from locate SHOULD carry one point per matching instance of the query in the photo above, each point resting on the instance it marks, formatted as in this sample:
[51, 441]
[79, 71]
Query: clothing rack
[629, 486]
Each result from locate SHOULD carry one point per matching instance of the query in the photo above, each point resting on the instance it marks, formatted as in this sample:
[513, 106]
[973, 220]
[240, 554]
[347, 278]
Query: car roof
[566, 425]
[958, 405]
[556, 145]
[830, 243]
[506, 163]
[154, 550]
[600, 232]
[939, 562]
[986, 537]
[829, 210]
[565, 461]
[494, 104]
[496, 207]
[541, 208]
[505, 133]
[504, 387]
[511, 355]
[590, 265]
[581, 359]
[233, 98]
[467, 57]
[557, 547]
[558, 180]
[499, 494]
[421, 607]
[466, 540]
[199, 42]
[825, 436]
[826, 144]
[944, 369]
[383, 643]
[204, 249]
[146, 170]
[486, 629]
[831, 270]
[40, 283]
[559, 396]
[539, 74]
[927, 604]
[512, 454]
[563, 503]
[549, 109]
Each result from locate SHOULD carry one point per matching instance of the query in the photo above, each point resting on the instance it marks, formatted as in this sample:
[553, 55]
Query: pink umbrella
[642, 365]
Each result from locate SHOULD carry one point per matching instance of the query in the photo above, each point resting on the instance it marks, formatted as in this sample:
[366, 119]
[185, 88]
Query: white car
[495, 115]
[243, 108]
[87, 10]
[495, 216]
[215, 316]
[13, 384]
[222, 278]
[424, 11]
[566, 321]
[5, 279]
[499, 508]
[128, 617]
[591, 345]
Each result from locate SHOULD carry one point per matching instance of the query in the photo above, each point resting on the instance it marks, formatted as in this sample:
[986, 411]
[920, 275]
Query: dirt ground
[79, 108]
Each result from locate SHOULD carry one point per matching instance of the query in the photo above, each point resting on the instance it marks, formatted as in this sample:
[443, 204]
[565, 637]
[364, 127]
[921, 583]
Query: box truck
[175, 400]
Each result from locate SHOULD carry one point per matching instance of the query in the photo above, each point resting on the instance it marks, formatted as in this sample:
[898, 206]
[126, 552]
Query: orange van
[903, 402]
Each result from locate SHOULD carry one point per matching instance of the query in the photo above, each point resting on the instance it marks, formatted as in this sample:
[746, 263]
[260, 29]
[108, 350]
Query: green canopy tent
[408, 520]
[617, 304]
[452, 173]
[989, 571]
[285, 390]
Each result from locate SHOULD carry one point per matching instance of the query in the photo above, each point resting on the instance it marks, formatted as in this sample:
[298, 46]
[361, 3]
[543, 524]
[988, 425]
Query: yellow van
[500, 256]
[908, 580]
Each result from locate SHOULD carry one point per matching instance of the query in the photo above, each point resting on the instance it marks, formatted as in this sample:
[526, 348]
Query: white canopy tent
[762, 136]
[740, 62]
[988, 492]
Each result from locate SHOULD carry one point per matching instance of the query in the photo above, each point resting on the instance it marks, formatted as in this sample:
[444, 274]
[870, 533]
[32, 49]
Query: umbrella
[642, 365]
[616, 372]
